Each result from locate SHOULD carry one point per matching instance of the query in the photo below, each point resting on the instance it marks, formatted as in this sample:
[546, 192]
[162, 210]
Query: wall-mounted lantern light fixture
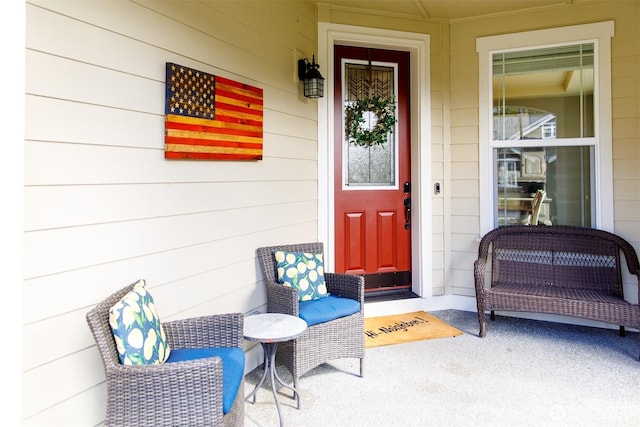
[312, 80]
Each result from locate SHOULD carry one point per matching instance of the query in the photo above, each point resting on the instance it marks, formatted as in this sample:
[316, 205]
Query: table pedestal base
[270, 369]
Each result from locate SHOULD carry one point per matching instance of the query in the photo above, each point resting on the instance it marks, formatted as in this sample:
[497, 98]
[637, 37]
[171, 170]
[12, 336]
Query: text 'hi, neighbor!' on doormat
[407, 327]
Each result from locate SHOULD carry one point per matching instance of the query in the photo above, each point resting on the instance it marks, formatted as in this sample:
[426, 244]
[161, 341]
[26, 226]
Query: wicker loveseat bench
[563, 270]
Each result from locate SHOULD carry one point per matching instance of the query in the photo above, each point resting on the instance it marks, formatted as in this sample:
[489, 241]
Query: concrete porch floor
[524, 373]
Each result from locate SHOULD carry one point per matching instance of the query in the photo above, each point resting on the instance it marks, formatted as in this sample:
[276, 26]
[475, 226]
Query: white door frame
[418, 46]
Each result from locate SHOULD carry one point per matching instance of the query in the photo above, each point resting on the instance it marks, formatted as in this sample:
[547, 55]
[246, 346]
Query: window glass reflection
[530, 85]
[563, 173]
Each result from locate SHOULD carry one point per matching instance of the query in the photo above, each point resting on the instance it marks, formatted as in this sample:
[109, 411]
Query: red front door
[372, 183]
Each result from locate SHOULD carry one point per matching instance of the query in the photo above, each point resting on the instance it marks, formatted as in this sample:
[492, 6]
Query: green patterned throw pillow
[137, 330]
[303, 271]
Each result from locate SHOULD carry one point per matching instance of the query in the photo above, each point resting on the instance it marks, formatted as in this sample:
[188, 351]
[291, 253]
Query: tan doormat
[407, 327]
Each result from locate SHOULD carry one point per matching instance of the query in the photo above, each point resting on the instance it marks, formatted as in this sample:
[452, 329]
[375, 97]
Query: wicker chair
[339, 338]
[185, 393]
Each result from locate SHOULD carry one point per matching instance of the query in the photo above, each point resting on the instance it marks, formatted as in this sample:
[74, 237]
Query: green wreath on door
[356, 129]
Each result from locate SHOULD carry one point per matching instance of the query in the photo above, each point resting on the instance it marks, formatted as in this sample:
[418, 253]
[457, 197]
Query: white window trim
[600, 34]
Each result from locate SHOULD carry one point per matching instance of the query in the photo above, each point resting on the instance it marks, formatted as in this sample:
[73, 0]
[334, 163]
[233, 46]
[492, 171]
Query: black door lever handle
[407, 213]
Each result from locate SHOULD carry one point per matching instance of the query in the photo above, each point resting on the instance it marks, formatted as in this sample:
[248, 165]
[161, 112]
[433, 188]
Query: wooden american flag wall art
[210, 117]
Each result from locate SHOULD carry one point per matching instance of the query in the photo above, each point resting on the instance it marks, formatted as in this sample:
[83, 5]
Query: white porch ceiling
[441, 9]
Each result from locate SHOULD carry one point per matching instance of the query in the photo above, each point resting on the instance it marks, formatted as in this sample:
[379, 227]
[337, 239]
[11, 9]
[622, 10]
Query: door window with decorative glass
[370, 149]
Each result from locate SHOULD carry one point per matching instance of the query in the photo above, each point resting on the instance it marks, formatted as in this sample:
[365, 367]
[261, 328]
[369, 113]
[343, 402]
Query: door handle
[407, 213]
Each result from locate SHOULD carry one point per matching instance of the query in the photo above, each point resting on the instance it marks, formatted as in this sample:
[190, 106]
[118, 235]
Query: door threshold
[382, 296]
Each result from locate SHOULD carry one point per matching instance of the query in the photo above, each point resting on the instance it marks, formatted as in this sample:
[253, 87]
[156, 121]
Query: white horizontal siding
[137, 201]
[103, 207]
[80, 164]
[239, 33]
[85, 406]
[56, 120]
[57, 250]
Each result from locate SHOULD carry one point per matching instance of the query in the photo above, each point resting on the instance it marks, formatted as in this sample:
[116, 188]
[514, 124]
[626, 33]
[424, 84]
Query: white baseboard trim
[445, 302]
[253, 356]
[465, 303]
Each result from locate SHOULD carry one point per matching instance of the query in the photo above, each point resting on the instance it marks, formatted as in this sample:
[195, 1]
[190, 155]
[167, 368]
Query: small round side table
[270, 329]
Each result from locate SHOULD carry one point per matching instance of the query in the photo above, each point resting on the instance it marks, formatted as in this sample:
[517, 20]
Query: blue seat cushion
[328, 308]
[232, 368]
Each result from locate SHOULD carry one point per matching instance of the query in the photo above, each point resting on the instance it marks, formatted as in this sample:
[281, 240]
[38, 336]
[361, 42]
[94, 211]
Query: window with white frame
[545, 126]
